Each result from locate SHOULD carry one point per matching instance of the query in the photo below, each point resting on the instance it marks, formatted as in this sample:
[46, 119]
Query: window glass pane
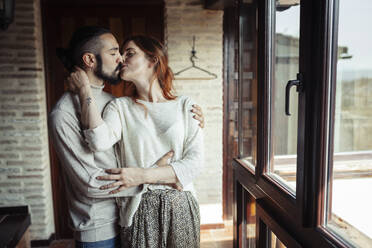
[349, 194]
[286, 66]
[274, 241]
[248, 81]
[250, 221]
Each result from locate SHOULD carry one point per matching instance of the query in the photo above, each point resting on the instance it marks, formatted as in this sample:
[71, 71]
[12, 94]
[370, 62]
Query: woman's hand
[125, 178]
[130, 177]
[77, 80]
[196, 109]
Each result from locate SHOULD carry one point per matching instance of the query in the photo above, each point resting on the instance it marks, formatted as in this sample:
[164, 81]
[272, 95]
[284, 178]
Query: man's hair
[84, 40]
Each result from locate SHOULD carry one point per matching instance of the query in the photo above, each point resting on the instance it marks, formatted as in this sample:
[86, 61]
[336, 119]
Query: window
[350, 145]
[312, 176]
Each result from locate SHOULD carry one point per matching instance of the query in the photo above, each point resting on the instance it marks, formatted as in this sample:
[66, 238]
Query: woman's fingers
[114, 171]
[108, 177]
[198, 114]
[121, 188]
[200, 119]
[111, 185]
[197, 110]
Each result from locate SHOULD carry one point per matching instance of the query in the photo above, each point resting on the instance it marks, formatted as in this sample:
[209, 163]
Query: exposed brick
[34, 183]
[17, 61]
[32, 128]
[18, 75]
[29, 148]
[7, 114]
[19, 107]
[24, 15]
[10, 184]
[25, 8]
[10, 170]
[31, 114]
[31, 54]
[7, 68]
[8, 142]
[26, 177]
[26, 38]
[31, 83]
[32, 155]
[9, 155]
[34, 169]
[11, 198]
[6, 54]
[18, 163]
[24, 190]
[35, 197]
[7, 99]
[25, 24]
[32, 140]
[6, 128]
[38, 205]
[30, 69]
[17, 47]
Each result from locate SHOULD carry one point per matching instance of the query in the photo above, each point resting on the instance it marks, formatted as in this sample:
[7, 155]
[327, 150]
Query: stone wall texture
[24, 156]
[183, 20]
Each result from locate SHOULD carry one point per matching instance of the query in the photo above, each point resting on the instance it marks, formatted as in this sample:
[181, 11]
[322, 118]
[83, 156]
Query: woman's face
[136, 63]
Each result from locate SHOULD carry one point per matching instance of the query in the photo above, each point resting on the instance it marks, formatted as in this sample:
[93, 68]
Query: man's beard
[111, 79]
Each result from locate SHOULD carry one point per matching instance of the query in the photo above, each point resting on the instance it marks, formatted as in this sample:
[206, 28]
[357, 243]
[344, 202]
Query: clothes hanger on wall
[209, 75]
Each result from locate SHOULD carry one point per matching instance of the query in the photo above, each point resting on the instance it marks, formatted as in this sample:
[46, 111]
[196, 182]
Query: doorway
[60, 20]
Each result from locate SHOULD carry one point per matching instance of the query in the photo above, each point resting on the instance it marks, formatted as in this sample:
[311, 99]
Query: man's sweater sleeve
[77, 159]
[189, 166]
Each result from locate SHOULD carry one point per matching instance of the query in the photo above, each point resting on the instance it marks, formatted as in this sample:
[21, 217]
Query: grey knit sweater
[93, 212]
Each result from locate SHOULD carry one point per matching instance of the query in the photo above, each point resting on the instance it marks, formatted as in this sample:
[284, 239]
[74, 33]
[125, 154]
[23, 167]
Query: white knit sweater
[144, 138]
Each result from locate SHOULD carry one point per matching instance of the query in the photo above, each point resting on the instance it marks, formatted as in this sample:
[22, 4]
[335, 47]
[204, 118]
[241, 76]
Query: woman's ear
[89, 60]
[154, 60]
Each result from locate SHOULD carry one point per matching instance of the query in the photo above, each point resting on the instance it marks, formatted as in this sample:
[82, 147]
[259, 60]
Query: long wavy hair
[155, 51]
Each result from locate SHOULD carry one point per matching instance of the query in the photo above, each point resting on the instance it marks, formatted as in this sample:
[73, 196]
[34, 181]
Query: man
[93, 212]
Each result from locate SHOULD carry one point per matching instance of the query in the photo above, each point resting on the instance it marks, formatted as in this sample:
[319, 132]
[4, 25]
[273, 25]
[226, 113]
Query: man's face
[109, 61]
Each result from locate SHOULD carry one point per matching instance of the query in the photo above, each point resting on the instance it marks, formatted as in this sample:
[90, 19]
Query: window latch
[291, 83]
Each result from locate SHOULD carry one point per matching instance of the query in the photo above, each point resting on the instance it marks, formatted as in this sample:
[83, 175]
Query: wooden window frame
[298, 218]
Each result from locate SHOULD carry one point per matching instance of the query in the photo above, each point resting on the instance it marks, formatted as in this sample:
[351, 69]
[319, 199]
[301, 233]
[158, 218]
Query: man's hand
[77, 80]
[125, 178]
[196, 109]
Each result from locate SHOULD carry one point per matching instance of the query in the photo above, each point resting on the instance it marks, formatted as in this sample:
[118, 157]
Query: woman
[146, 125]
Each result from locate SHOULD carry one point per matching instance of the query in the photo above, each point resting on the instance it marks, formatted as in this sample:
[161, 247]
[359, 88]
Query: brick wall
[183, 20]
[24, 158]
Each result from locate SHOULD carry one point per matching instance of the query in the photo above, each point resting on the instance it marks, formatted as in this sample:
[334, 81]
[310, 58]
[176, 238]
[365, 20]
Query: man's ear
[89, 60]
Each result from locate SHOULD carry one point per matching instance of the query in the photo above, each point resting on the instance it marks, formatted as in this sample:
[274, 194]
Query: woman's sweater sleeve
[104, 136]
[189, 166]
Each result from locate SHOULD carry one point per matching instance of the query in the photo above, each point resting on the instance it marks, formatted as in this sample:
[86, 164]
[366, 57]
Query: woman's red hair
[154, 50]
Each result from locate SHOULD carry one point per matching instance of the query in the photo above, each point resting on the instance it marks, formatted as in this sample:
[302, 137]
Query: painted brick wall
[24, 158]
[183, 20]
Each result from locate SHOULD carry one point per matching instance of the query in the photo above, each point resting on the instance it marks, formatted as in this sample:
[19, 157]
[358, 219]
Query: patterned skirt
[164, 219]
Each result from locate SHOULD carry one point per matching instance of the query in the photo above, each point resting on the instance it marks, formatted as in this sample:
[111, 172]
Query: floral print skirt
[164, 219]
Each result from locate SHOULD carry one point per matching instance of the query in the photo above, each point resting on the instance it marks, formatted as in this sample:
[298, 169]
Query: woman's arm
[78, 81]
[99, 135]
[189, 166]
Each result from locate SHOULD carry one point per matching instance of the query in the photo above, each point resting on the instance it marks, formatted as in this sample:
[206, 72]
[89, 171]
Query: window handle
[291, 83]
